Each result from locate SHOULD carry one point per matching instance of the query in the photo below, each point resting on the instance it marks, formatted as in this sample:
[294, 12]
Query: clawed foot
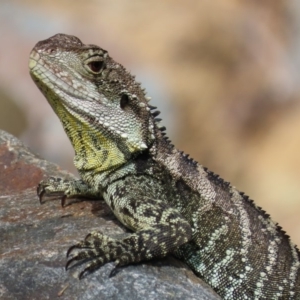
[94, 248]
[100, 249]
[66, 189]
[53, 187]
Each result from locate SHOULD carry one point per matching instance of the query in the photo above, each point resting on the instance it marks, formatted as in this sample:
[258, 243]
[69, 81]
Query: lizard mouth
[54, 86]
[44, 76]
[61, 96]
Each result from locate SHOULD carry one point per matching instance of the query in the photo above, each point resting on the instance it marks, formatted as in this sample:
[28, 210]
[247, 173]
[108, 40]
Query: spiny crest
[264, 213]
[154, 114]
[268, 218]
[188, 158]
[216, 178]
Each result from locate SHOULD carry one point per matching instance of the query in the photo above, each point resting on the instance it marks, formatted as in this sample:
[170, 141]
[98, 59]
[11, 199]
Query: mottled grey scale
[171, 204]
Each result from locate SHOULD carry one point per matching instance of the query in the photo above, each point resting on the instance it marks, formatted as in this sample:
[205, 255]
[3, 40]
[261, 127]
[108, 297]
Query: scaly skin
[170, 202]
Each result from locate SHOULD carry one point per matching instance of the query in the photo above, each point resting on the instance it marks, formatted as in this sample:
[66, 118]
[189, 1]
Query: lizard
[169, 202]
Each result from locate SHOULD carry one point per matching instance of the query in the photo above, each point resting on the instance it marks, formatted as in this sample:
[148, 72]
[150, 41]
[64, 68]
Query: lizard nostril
[50, 51]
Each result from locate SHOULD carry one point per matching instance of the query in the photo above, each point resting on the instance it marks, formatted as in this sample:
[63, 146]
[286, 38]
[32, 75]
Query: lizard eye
[124, 101]
[96, 66]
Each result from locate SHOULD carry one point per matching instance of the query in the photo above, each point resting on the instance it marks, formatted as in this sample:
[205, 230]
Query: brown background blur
[225, 75]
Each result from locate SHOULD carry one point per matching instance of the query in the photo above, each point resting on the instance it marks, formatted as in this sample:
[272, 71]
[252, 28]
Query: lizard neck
[94, 151]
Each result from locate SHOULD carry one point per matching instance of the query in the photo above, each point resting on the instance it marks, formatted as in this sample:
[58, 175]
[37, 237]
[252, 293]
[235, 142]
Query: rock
[35, 238]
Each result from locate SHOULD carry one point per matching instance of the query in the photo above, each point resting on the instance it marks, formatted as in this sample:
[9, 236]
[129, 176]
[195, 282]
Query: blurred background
[225, 74]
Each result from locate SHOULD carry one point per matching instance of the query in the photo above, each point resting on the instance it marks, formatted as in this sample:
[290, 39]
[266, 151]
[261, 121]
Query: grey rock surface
[34, 239]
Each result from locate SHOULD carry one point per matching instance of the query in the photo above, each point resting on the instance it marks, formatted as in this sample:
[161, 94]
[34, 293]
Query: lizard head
[90, 92]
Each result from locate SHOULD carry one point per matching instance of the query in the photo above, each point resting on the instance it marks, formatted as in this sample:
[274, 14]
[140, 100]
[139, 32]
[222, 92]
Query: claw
[81, 274]
[41, 195]
[89, 269]
[69, 262]
[63, 200]
[71, 249]
[88, 236]
[115, 271]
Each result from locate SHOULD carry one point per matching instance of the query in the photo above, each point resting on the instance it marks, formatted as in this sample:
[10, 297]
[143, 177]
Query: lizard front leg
[159, 229]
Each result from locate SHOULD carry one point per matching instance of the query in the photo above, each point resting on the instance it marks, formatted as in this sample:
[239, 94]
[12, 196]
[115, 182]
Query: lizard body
[172, 204]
